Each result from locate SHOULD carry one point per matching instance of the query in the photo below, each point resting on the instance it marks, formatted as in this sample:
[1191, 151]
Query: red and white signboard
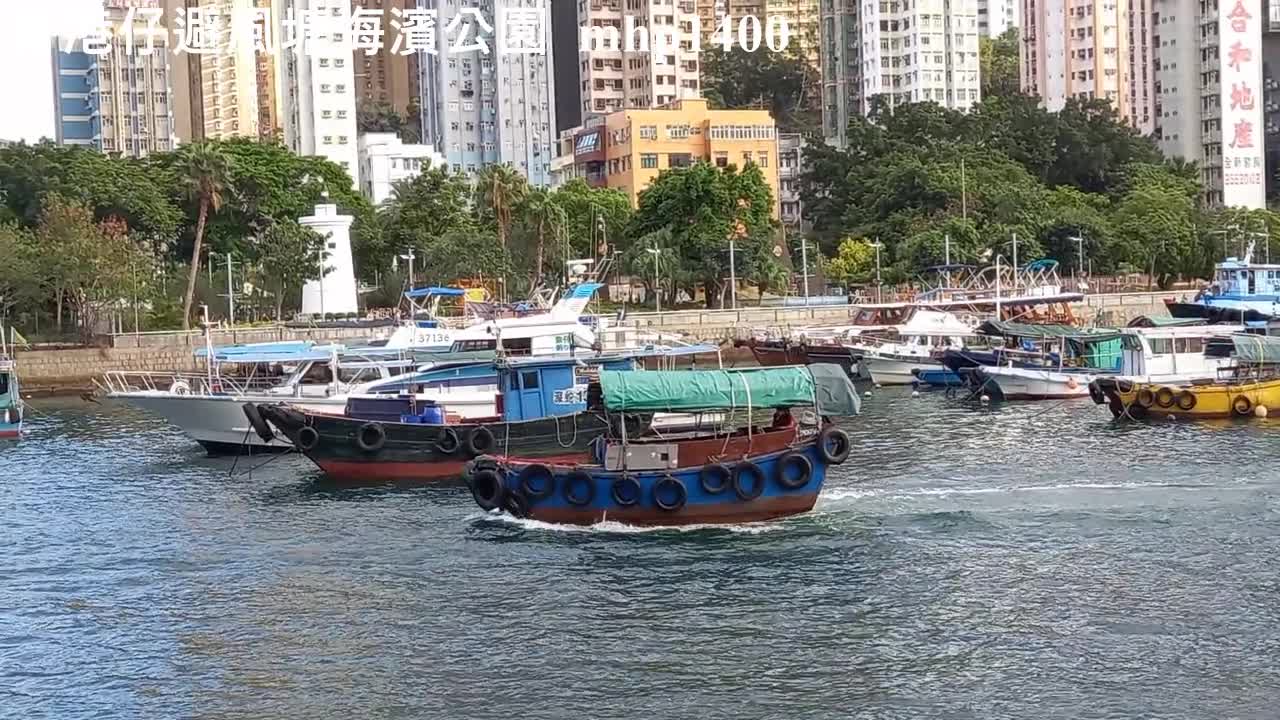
[1240, 51]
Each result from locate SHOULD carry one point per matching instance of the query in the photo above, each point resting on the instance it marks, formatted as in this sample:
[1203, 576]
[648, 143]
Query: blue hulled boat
[762, 463]
[10, 397]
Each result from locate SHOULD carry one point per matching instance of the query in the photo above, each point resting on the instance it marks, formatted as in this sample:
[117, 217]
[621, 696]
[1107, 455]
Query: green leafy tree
[499, 191]
[593, 215]
[289, 255]
[544, 220]
[998, 64]
[784, 83]
[853, 264]
[383, 118]
[420, 210]
[205, 174]
[19, 282]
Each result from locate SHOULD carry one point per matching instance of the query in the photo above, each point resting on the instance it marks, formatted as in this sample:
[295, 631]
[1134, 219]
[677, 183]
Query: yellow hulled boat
[1248, 388]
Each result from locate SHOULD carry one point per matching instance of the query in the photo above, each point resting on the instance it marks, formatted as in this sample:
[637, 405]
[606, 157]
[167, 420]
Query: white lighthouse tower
[335, 291]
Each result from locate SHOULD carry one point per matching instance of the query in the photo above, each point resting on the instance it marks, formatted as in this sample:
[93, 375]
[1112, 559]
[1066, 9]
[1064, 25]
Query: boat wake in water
[610, 526]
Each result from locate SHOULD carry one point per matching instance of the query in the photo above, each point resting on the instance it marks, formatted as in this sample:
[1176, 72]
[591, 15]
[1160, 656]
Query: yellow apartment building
[639, 144]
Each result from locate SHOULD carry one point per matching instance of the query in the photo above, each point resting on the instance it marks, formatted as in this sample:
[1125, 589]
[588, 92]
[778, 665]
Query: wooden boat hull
[777, 354]
[413, 452]
[1186, 400]
[790, 476]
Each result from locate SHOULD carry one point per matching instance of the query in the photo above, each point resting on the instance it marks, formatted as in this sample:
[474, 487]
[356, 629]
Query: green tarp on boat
[1028, 330]
[761, 388]
[1257, 349]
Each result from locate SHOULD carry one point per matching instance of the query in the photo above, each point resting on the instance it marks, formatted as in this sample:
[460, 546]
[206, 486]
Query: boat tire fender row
[1242, 405]
[843, 446]
[487, 489]
[748, 481]
[256, 422]
[516, 503]
[1165, 397]
[715, 478]
[308, 438]
[1145, 398]
[626, 491]
[448, 442]
[1096, 395]
[668, 485]
[480, 441]
[1186, 400]
[371, 437]
[579, 480]
[536, 482]
[803, 471]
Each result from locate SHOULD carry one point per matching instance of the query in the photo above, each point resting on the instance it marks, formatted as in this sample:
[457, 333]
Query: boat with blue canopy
[761, 462]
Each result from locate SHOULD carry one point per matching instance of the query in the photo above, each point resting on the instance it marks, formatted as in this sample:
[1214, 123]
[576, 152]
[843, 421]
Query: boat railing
[132, 381]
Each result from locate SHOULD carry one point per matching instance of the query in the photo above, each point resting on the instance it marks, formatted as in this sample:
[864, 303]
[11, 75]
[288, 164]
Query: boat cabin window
[317, 374]
[350, 375]
[518, 346]
[472, 345]
[4, 383]
[529, 380]
[1188, 345]
[1161, 346]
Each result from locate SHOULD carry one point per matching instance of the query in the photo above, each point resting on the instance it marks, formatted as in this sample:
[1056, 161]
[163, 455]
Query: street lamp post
[657, 287]
[879, 288]
[1079, 253]
[733, 278]
[410, 256]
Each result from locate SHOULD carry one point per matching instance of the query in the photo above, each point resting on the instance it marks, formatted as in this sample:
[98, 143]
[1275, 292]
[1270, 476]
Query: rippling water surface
[1022, 561]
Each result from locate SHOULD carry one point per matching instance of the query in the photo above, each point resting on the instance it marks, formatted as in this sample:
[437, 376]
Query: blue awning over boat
[283, 351]
[428, 291]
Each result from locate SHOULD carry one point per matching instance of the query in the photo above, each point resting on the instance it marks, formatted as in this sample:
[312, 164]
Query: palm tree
[204, 172]
[548, 219]
[501, 189]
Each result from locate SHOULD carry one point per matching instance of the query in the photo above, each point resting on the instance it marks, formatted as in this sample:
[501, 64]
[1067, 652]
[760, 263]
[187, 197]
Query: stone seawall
[45, 371]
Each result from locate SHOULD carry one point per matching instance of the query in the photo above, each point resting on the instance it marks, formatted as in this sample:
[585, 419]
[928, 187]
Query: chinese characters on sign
[1240, 74]
[209, 30]
[573, 396]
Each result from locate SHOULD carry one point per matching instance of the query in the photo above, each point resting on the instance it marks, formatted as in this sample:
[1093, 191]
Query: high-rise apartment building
[634, 146]
[995, 17]
[317, 86]
[389, 76]
[622, 69]
[1089, 49]
[1212, 96]
[905, 50]
[113, 92]
[492, 106]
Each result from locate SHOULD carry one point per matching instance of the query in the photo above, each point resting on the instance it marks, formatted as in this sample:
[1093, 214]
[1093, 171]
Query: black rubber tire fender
[525, 482]
[1145, 398]
[516, 504]
[748, 490]
[257, 422]
[628, 497]
[1186, 400]
[1096, 394]
[371, 437]
[308, 438]
[1242, 405]
[804, 470]
[669, 483]
[844, 446]
[1165, 397]
[715, 478]
[579, 477]
[487, 488]
[479, 441]
[448, 442]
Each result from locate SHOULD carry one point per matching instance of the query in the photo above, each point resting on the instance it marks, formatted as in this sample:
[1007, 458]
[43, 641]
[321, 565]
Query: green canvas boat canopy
[1257, 349]
[1044, 332]
[825, 385]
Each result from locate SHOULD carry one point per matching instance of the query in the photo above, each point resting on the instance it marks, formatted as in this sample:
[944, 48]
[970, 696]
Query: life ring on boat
[487, 488]
[668, 484]
[258, 424]
[516, 503]
[180, 387]
[479, 441]
[527, 482]
[745, 488]
[1186, 400]
[802, 465]
[579, 478]
[843, 446]
[715, 478]
[1071, 383]
[448, 442]
[1145, 398]
[308, 438]
[625, 491]
[1242, 405]
[371, 437]
[1165, 397]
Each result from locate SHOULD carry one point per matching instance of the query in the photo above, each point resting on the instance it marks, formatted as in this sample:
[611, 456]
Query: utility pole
[964, 202]
[879, 287]
[410, 256]
[231, 296]
[946, 255]
[804, 266]
[657, 287]
[733, 278]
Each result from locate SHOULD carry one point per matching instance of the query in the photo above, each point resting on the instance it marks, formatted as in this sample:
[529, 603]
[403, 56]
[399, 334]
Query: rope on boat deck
[234, 463]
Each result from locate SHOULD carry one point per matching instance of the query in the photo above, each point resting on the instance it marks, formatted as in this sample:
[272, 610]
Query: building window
[326, 114]
[328, 139]
[649, 132]
[339, 62]
[342, 139]
[324, 87]
[762, 159]
[649, 160]
[340, 88]
[342, 114]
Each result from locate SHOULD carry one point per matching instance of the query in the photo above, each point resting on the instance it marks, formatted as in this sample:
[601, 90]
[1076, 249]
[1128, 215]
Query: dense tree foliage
[998, 64]
[783, 83]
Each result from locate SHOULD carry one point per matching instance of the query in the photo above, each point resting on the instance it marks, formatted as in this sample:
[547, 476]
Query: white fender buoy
[915, 393]
[985, 399]
[1260, 411]
[1172, 416]
[866, 394]
[878, 386]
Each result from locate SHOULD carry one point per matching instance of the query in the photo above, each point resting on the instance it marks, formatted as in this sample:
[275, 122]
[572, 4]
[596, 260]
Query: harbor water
[1018, 561]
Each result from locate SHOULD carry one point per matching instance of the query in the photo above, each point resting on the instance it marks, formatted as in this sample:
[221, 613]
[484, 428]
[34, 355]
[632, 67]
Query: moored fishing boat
[894, 358]
[767, 467]
[1037, 362]
[11, 408]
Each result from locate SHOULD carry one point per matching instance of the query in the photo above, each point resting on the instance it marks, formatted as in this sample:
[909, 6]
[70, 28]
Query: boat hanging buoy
[1260, 411]
[866, 394]
[1171, 416]
[985, 399]
[915, 393]
[878, 386]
